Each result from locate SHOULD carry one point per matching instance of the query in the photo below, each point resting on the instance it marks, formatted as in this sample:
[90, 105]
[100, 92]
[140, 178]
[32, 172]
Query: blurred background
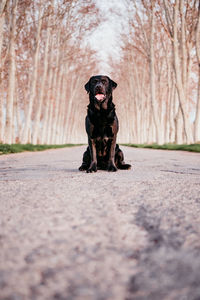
[49, 50]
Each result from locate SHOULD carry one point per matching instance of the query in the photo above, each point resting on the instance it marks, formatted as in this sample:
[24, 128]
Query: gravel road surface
[129, 235]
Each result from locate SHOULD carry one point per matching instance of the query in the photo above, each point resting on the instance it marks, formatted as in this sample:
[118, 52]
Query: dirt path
[129, 235]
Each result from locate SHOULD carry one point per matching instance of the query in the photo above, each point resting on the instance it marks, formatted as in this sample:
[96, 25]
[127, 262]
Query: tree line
[45, 62]
[161, 72]
[43, 69]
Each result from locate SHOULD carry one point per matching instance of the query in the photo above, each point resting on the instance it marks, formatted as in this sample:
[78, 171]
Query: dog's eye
[103, 81]
[94, 81]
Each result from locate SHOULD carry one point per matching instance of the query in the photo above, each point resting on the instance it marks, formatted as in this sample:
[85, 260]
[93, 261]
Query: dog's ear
[87, 86]
[113, 84]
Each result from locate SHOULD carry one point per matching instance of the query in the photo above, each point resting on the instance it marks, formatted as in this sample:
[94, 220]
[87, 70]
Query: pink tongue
[99, 96]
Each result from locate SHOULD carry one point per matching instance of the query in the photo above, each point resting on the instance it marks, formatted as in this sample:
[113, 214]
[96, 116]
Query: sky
[106, 38]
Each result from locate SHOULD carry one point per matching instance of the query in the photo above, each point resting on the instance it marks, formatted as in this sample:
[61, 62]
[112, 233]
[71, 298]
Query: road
[129, 235]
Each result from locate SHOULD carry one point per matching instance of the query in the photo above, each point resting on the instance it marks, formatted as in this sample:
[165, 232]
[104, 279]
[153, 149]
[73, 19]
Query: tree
[2, 20]
[161, 39]
[33, 82]
[181, 68]
[197, 43]
[11, 78]
[41, 51]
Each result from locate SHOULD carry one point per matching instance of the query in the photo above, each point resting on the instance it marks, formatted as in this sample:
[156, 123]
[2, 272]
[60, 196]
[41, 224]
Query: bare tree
[11, 78]
[154, 101]
[2, 20]
[197, 43]
[40, 51]
[42, 87]
[181, 80]
[33, 82]
[161, 40]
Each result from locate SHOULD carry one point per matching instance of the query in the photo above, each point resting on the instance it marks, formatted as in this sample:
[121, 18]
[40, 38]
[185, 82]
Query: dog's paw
[124, 166]
[83, 167]
[112, 168]
[92, 168]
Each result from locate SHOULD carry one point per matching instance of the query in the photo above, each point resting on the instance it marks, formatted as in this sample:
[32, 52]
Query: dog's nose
[99, 87]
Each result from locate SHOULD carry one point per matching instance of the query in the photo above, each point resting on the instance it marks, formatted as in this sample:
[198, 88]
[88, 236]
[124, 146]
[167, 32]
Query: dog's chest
[102, 125]
[102, 130]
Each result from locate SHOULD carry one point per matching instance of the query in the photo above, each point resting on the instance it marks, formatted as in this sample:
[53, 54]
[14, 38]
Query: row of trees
[43, 70]
[45, 62]
[161, 72]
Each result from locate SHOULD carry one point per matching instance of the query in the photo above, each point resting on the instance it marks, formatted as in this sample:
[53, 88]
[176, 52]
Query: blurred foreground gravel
[129, 235]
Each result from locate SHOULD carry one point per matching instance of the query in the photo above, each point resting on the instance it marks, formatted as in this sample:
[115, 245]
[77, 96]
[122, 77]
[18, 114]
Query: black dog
[102, 127]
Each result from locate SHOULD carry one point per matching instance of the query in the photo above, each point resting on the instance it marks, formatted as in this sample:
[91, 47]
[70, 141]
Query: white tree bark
[36, 126]
[154, 101]
[50, 122]
[1, 120]
[55, 131]
[11, 80]
[69, 115]
[183, 47]
[179, 82]
[27, 125]
[172, 113]
[2, 18]
[46, 112]
[179, 127]
[63, 108]
[134, 95]
[60, 100]
[197, 118]
[44, 135]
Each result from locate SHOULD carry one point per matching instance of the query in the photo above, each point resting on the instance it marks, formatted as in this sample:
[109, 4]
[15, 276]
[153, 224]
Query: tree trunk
[42, 87]
[197, 118]
[154, 103]
[183, 47]
[57, 105]
[27, 125]
[54, 87]
[172, 113]
[179, 127]
[69, 116]
[179, 82]
[11, 78]
[60, 114]
[46, 112]
[134, 95]
[2, 18]
[1, 119]
[48, 99]
[63, 107]
[50, 121]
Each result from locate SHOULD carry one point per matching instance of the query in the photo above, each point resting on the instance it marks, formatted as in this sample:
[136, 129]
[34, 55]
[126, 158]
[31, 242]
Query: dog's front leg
[93, 152]
[111, 162]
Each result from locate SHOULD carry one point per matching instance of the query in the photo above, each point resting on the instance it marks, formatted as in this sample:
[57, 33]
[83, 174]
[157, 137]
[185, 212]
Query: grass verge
[191, 148]
[16, 148]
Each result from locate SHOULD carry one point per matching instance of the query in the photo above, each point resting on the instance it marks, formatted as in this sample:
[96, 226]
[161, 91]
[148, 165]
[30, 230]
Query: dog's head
[100, 90]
